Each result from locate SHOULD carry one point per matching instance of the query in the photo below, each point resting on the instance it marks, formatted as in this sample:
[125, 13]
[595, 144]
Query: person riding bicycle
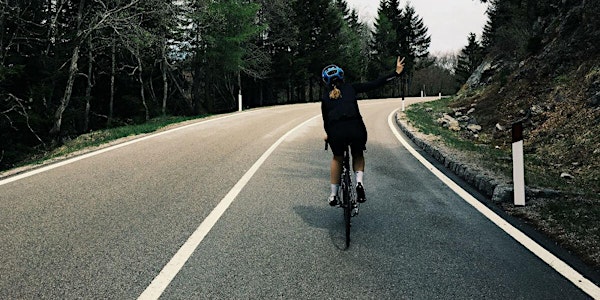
[344, 125]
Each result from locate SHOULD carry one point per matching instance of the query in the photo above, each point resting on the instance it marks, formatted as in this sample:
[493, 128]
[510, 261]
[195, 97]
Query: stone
[474, 128]
[566, 175]
[454, 126]
[449, 122]
[503, 193]
[472, 110]
[476, 77]
[500, 127]
[536, 110]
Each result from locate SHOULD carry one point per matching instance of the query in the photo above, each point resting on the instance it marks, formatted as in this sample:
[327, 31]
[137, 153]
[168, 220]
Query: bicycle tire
[347, 217]
[347, 211]
[347, 197]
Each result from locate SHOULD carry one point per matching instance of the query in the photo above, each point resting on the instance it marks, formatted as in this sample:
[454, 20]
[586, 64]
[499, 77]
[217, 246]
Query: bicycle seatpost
[326, 145]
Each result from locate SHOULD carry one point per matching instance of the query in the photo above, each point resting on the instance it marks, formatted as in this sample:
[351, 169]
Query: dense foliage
[541, 67]
[70, 67]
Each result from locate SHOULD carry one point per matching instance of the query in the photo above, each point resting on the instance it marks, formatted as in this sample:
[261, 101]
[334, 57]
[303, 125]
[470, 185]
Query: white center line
[170, 270]
[561, 267]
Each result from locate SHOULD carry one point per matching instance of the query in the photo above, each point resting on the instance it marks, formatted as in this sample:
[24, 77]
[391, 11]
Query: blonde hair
[335, 93]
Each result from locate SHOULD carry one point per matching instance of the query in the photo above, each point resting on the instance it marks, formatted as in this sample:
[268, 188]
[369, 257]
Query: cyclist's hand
[399, 65]
[325, 138]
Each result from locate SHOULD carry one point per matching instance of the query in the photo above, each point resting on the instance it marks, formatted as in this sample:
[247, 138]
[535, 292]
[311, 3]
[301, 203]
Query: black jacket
[346, 108]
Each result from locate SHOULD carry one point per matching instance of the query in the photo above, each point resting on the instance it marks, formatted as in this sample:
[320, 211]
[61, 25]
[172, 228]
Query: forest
[72, 67]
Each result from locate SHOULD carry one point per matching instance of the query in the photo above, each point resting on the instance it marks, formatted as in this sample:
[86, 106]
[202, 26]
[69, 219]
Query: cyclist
[344, 125]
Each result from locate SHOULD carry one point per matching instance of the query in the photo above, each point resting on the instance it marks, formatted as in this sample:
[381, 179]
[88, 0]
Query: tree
[384, 44]
[469, 59]
[279, 39]
[415, 43]
[319, 44]
[515, 29]
[224, 29]
[437, 77]
[354, 50]
[94, 17]
[399, 32]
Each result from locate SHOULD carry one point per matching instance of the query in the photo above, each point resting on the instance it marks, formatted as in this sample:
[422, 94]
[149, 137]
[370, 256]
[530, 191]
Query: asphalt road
[105, 226]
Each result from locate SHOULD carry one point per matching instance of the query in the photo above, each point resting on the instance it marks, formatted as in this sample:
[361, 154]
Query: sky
[449, 22]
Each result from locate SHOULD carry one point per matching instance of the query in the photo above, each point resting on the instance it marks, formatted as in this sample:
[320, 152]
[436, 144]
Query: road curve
[105, 226]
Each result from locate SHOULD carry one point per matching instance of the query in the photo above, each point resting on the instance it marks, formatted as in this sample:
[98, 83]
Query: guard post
[240, 100]
[518, 164]
[403, 86]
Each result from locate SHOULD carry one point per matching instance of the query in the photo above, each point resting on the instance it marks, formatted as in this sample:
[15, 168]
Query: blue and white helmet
[332, 71]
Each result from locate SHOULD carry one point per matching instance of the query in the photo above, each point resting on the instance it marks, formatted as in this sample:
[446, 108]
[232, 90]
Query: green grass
[571, 219]
[423, 116]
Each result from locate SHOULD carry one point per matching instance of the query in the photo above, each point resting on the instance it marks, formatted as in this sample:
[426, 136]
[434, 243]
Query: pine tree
[415, 39]
[384, 44]
[319, 44]
[469, 59]
[279, 38]
[398, 32]
[224, 29]
[354, 49]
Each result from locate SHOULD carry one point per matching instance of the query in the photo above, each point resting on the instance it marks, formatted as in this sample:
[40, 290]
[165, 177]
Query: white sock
[334, 189]
[359, 177]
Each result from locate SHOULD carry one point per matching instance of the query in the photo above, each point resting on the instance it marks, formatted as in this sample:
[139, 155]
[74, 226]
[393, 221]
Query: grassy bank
[106, 136]
[572, 218]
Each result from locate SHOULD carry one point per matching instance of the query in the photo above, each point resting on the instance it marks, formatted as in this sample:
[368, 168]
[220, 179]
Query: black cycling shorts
[349, 132]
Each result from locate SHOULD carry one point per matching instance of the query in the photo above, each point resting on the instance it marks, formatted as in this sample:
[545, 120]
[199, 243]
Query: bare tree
[106, 17]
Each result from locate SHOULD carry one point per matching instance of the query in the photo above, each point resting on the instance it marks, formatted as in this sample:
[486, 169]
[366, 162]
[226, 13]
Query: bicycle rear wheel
[347, 205]
[347, 217]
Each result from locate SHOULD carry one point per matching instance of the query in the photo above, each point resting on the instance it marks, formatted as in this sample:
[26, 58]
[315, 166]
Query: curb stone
[493, 188]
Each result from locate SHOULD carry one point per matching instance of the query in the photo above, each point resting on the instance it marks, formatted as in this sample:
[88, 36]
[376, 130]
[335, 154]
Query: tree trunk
[141, 80]
[88, 89]
[200, 96]
[262, 95]
[112, 80]
[310, 90]
[164, 77]
[64, 102]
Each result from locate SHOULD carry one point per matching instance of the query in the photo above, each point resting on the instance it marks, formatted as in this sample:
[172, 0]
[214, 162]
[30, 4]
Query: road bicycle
[347, 194]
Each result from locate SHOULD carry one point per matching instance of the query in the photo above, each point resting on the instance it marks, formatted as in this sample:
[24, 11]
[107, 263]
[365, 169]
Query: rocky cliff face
[554, 91]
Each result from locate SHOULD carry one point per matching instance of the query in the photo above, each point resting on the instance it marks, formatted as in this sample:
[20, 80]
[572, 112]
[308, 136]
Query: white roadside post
[402, 86]
[240, 100]
[518, 164]
[239, 80]
[440, 96]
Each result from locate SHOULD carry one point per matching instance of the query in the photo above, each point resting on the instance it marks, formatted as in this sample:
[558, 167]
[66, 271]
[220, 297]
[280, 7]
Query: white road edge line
[170, 270]
[561, 267]
[94, 153]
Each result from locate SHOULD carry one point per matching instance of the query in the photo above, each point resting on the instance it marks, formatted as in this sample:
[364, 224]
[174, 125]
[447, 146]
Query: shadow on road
[324, 217]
